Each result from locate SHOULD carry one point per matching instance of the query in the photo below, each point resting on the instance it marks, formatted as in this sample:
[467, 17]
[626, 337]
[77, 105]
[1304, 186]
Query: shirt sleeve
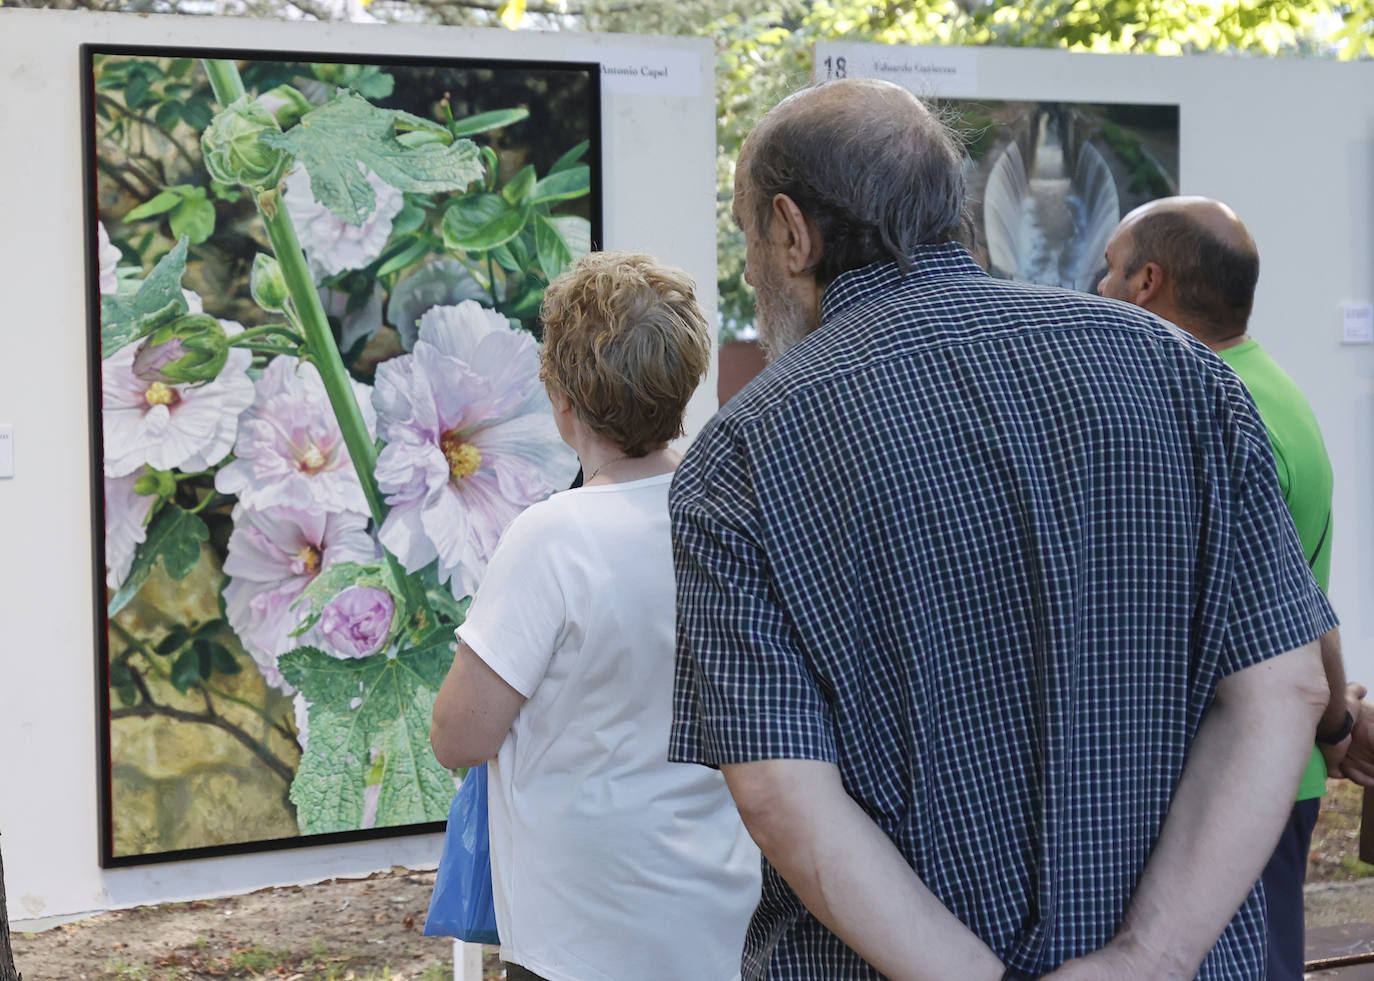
[517, 618]
[1275, 603]
[742, 691]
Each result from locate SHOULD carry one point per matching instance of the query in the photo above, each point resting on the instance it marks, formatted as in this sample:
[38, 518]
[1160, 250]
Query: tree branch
[147, 709]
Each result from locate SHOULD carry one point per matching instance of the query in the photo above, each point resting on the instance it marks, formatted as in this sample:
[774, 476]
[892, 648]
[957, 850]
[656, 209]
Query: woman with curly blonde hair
[608, 862]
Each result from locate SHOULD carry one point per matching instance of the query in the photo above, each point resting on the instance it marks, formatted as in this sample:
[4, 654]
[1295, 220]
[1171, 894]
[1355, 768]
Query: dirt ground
[339, 930]
[369, 929]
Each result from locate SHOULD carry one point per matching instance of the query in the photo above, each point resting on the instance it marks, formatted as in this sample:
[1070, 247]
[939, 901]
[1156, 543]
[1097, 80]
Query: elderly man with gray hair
[980, 596]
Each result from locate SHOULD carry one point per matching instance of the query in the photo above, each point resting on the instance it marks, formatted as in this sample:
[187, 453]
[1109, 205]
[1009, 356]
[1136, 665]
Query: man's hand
[1119, 961]
[850, 875]
[1357, 763]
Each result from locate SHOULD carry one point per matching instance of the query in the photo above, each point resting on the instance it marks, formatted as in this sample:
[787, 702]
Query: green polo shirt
[1304, 476]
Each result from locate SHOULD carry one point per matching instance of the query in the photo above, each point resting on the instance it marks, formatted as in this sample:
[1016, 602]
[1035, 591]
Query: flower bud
[190, 349]
[234, 152]
[357, 622]
[267, 284]
[286, 104]
[156, 482]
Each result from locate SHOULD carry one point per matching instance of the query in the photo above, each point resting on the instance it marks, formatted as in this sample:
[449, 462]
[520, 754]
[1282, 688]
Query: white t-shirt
[608, 862]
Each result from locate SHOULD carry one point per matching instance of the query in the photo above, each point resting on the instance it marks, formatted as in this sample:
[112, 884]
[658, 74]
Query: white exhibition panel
[1289, 144]
[658, 159]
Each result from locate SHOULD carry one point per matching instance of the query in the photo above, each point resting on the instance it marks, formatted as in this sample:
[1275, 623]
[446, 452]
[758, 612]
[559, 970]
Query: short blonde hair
[625, 341]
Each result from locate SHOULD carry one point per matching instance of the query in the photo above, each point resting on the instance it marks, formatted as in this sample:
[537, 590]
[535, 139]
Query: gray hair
[865, 161]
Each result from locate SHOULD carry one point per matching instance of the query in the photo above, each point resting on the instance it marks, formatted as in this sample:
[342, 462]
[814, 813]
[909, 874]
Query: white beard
[782, 320]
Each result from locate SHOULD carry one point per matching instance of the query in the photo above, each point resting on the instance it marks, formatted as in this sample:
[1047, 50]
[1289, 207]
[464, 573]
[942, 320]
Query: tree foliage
[763, 49]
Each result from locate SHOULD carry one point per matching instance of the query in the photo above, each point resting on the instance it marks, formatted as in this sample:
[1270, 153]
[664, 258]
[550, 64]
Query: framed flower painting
[314, 308]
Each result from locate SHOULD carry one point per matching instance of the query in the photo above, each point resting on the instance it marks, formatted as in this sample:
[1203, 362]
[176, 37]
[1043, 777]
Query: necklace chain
[603, 466]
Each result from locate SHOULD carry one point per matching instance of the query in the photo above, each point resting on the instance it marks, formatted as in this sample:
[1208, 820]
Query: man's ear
[802, 242]
[1149, 289]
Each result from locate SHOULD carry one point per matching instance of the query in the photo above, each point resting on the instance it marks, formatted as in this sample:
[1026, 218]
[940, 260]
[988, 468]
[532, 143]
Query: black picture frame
[581, 76]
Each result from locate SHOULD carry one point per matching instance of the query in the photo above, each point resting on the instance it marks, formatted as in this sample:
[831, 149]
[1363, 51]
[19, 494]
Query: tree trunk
[7, 971]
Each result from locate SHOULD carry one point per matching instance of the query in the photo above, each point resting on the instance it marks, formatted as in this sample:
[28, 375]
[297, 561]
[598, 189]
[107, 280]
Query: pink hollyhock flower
[108, 256]
[273, 556]
[290, 452]
[125, 512]
[357, 622]
[333, 246]
[470, 439]
[183, 426]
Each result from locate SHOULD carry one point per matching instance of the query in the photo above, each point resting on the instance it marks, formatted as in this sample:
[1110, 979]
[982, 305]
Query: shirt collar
[940, 260]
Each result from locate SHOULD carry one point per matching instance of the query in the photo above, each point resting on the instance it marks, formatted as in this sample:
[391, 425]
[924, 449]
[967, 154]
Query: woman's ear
[561, 403]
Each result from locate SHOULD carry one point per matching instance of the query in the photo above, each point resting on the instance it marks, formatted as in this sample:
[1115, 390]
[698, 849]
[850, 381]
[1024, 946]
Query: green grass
[258, 959]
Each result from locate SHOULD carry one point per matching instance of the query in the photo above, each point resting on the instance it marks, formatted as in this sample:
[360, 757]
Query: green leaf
[179, 67]
[364, 711]
[124, 319]
[222, 661]
[554, 254]
[177, 636]
[525, 301]
[505, 258]
[122, 681]
[481, 222]
[194, 218]
[411, 254]
[347, 135]
[570, 183]
[413, 125]
[197, 113]
[561, 241]
[186, 670]
[409, 219]
[485, 121]
[156, 205]
[137, 91]
[369, 81]
[491, 166]
[571, 157]
[173, 541]
[168, 114]
[518, 188]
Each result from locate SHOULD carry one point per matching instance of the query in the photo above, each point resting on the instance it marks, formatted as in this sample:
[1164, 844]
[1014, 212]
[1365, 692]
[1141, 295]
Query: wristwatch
[1346, 728]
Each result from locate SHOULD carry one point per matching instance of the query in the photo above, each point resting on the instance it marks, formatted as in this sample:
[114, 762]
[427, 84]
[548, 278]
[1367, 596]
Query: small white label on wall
[6, 449]
[928, 72]
[645, 71]
[1357, 321]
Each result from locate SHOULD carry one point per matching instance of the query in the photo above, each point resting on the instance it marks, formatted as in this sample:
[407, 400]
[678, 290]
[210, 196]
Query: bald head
[1207, 262]
[866, 163]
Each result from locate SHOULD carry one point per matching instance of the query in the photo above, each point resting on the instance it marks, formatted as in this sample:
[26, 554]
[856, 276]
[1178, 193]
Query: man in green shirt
[1192, 262]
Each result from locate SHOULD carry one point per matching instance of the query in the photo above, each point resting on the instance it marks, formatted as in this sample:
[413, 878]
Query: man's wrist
[1328, 736]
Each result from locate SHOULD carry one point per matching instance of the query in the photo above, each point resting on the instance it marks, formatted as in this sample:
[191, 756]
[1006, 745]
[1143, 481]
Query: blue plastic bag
[461, 905]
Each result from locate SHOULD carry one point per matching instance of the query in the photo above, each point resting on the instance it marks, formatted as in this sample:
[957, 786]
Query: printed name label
[648, 71]
[928, 72]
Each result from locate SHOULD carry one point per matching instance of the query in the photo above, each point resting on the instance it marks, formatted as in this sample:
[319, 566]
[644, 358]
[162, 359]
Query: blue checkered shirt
[988, 547]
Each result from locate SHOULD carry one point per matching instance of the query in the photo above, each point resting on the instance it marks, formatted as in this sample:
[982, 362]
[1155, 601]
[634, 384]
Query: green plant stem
[281, 330]
[271, 350]
[319, 342]
[225, 80]
[319, 345]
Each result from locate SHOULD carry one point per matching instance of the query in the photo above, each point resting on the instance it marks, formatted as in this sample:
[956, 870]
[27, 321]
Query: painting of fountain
[1046, 223]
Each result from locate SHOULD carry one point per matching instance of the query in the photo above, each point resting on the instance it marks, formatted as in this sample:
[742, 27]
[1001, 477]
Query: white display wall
[1289, 144]
[658, 160]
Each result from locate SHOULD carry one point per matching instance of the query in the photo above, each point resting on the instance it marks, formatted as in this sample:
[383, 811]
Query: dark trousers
[514, 972]
[1283, 878]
